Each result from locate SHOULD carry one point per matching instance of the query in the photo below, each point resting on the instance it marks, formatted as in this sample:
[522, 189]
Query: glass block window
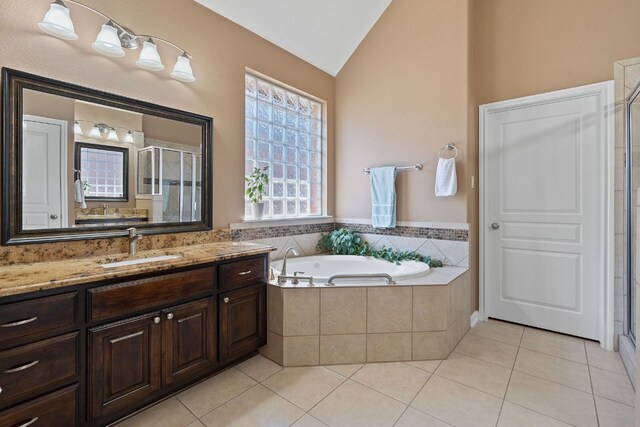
[104, 169]
[284, 132]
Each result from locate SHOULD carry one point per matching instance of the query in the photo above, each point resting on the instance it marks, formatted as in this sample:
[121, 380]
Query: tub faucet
[284, 260]
[133, 241]
[105, 208]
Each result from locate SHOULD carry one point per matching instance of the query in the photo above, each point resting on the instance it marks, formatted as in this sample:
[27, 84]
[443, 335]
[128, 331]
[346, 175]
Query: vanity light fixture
[113, 37]
[95, 132]
[149, 57]
[112, 136]
[57, 22]
[107, 42]
[129, 137]
[77, 129]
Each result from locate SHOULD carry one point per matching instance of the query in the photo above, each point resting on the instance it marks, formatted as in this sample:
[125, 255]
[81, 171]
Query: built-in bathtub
[421, 317]
[323, 267]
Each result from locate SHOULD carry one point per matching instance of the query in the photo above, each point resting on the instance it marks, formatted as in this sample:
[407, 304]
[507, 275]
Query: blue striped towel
[383, 197]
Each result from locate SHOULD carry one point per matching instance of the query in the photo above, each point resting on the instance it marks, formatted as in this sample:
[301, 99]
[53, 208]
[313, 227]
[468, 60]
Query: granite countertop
[23, 278]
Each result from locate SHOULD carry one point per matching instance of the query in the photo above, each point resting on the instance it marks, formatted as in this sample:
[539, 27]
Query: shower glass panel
[171, 177]
[632, 208]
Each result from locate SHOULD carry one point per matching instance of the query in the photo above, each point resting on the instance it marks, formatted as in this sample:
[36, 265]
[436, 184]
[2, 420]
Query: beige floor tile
[514, 415]
[256, 407]
[345, 370]
[457, 404]
[413, 418]
[196, 423]
[395, 379]
[259, 368]
[558, 345]
[430, 345]
[301, 351]
[614, 414]
[612, 386]
[170, 413]
[425, 365]
[488, 350]
[308, 421]
[476, 373]
[304, 387]
[353, 404]
[604, 359]
[499, 331]
[563, 371]
[564, 403]
[208, 395]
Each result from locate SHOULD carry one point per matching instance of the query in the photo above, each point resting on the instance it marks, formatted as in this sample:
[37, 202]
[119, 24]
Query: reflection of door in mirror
[43, 183]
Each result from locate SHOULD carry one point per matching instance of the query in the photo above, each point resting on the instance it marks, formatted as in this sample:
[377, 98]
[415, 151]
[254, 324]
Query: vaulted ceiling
[322, 32]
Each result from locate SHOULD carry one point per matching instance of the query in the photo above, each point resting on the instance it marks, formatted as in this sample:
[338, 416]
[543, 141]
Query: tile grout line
[417, 394]
[513, 368]
[593, 394]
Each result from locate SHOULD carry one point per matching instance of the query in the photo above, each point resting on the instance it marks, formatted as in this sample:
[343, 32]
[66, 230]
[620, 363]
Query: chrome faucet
[286, 257]
[133, 241]
[105, 208]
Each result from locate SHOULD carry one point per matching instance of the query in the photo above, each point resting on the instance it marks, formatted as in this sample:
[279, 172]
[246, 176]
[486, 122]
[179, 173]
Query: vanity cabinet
[89, 355]
[243, 321]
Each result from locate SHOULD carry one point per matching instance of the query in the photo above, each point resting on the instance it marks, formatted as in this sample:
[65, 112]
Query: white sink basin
[141, 261]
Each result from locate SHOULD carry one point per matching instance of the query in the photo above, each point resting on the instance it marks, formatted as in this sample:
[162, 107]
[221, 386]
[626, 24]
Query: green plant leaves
[256, 183]
[348, 242]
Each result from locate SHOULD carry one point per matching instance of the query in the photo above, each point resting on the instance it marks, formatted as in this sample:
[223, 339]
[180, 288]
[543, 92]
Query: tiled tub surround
[446, 242]
[342, 325]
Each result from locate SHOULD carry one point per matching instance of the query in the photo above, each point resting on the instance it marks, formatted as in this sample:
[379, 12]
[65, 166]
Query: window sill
[280, 222]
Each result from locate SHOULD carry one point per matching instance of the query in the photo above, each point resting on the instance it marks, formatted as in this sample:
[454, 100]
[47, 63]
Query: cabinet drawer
[130, 297]
[56, 409]
[38, 366]
[36, 316]
[243, 273]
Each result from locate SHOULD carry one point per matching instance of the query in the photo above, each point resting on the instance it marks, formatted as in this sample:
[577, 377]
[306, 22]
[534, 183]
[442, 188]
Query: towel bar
[417, 167]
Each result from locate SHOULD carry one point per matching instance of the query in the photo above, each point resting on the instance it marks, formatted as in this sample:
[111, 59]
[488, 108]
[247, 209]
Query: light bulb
[182, 70]
[113, 136]
[77, 129]
[129, 137]
[95, 132]
[57, 22]
[108, 42]
[149, 57]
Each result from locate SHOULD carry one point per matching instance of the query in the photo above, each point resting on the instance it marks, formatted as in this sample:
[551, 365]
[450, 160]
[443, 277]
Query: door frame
[606, 291]
[64, 181]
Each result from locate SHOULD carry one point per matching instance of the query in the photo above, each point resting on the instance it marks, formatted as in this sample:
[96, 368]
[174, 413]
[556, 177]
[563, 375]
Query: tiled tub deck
[343, 325]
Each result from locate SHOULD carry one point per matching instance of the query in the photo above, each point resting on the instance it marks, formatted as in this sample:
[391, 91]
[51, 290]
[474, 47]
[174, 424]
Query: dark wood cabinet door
[189, 340]
[124, 363]
[243, 321]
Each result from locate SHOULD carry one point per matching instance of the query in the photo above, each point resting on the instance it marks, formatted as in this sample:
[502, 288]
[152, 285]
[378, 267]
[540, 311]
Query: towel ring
[449, 146]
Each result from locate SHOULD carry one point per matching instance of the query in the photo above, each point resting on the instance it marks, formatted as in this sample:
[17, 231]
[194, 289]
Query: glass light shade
[129, 137]
[108, 42]
[182, 70]
[77, 129]
[57, 22]
[149, 57]
[113, 136]
[95, 132]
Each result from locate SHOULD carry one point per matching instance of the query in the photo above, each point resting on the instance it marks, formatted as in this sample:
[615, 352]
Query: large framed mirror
[83, 164]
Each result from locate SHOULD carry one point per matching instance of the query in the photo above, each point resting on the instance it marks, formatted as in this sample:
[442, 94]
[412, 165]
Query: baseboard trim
[475, 316]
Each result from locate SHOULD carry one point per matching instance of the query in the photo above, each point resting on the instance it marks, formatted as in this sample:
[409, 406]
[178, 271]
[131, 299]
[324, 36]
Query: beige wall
[171, 131]
[221, 51]
[400, 97]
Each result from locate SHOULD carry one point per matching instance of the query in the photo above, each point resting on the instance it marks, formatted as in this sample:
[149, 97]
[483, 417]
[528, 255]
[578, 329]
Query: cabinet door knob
[156, 320]
[170, 316]
[226, 300]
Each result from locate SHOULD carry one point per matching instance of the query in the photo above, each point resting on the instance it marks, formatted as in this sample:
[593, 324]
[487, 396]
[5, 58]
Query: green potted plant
[257, 183]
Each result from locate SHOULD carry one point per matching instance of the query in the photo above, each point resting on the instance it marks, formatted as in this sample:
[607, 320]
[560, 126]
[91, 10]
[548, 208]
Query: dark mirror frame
[77, 159]
[14, 82]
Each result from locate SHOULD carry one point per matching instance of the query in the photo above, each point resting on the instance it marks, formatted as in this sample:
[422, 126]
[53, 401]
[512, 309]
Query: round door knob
[495, 226]
[156, 320]
[226, 300]
[54, 216]
[170, 316]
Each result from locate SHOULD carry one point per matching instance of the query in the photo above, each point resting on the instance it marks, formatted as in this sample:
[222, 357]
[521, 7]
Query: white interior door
[545, 170]
[43, 177]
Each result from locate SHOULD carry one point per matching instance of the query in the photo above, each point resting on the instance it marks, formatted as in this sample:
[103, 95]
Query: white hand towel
[79, 193]
[446, 178]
